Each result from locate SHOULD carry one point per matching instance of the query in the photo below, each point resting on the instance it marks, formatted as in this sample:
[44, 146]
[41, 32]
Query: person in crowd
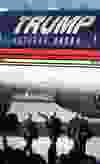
[64, 145]
[30, 132]
[54, 125]
[80, 132]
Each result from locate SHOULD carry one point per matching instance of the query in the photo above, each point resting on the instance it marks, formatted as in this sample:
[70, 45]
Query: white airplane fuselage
[85, 79]
[73, 88]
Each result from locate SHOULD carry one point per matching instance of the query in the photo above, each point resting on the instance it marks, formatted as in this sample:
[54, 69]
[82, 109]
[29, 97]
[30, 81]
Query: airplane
[74, 89]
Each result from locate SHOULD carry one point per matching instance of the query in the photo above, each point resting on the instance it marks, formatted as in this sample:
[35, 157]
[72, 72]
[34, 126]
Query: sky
[32, 4]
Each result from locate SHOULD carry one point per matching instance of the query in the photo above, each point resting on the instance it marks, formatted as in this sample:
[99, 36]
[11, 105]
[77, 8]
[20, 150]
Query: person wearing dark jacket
[80, 132]
[54, 127]
[30, 132]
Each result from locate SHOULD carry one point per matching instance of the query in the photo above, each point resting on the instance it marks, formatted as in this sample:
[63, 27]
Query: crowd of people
[77, 133]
